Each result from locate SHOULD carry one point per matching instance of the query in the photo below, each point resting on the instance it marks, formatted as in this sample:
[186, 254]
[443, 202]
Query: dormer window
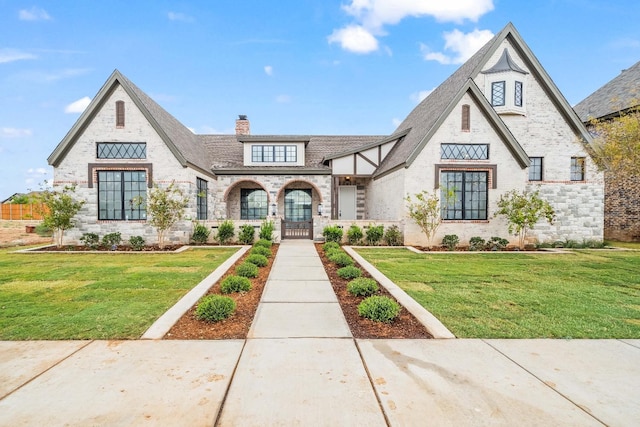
[505, 85]
[119, 114]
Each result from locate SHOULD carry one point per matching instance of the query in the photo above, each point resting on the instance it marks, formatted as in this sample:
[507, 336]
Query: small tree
[165, 207]
[523, 211]
[618, 142]
[59, 208]
[425, 211]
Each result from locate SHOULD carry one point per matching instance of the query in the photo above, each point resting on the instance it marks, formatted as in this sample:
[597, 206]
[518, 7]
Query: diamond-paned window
[464, 151]
[518, 94]
[497, 93]
[122, 150]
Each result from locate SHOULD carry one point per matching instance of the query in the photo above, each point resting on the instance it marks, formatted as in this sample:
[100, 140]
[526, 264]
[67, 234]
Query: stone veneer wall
[622, 208]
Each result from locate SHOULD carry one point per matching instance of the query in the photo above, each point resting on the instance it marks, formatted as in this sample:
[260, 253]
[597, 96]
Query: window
[497, 93]
[201, 198]
[274, 153]
[464, 151]
[297, 205]
[518, 94]
[122, 150]
[464, 195]
[535, 169]
[253, 204]
[122, 195]
[466, 118]
[577, 168]
[120, 114]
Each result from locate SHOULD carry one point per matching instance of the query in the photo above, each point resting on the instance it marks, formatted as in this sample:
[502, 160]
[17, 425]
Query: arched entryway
[247, 200]
[298, 200]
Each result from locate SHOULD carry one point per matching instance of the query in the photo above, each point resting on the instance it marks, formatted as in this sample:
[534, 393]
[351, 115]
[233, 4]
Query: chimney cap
[242, 117]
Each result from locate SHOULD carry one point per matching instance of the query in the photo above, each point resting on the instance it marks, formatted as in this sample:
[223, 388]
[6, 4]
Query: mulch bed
[404, 326]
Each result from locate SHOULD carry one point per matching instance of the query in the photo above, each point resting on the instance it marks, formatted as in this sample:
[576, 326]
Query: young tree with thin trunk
[425, 211]
[59, 208]
[165, 207]
[523, 211]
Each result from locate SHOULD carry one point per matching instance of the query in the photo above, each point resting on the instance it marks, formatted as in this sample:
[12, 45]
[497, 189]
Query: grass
[626, 245]
[585, 294]
[95, 296]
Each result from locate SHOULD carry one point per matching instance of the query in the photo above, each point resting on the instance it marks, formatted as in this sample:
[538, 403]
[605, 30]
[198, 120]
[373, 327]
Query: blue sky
[294, 67]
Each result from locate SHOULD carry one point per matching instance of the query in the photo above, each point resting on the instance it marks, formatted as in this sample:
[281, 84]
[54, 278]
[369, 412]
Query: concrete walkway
[300, 366]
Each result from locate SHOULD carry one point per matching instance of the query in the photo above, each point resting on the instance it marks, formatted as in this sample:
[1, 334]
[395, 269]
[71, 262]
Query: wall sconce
[273, 209]
[319, 208]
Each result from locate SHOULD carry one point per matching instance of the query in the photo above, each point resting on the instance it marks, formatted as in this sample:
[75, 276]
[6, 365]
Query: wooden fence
[13, 211]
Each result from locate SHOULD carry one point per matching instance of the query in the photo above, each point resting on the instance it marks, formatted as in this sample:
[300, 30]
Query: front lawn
[95, 296]
[585, 294]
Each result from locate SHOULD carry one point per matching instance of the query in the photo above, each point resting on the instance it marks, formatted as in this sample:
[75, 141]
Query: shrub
[450, 241]
[235, 284]
[200, 233]
[226, 231]
[476, 243]
[379, 309]
[332, 252]
[497, 243]
[214, 308]
[349, 272]
[43, 231]
[362, 287]
[264, 243]
[111, 240]
[332, 233]
[393, 236]
[257, 259]
[266, 230]
[90, 240]
[247, 234]
[246, 269]
[330, 245]
[341, 259]
[137, 242]
[374, 234]
[354, 234]
[261, 250]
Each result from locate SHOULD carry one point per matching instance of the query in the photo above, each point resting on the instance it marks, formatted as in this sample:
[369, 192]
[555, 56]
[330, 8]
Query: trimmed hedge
[235, 284]
[261, 250]
[349, 272]
[330, 245]
[257, 259]
[379, 309]
[362, 287]
[264, 243]
[341, 259]
[246, 269]
[214, 308]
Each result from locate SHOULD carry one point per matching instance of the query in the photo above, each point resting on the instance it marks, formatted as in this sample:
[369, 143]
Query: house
[622, 192]
[498, 123]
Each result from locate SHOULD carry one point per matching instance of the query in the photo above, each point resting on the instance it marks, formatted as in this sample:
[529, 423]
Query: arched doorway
[298, 199]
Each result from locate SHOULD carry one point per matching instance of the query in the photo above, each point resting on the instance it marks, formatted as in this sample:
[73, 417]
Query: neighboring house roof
[425, 119]
[180, 140]
[619, 94]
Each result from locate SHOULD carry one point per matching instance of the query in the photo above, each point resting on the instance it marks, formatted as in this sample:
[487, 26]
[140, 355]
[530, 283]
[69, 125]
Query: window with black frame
[122, 195]
[297, 205]
[253, 204]
[201, 198]
[535, 169]
[577, 168]
[463, 195]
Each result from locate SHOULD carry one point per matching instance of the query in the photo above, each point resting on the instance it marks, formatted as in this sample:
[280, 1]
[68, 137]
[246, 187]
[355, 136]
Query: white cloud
[460, 46]
[10, 55]
[37, 176]
[34, 14]
[354, 38]
[268, 69]
[15, 133]
[417, 97]
[283, 99]
[371, 16]
[47, 77]
[177, 16]
[77, 106]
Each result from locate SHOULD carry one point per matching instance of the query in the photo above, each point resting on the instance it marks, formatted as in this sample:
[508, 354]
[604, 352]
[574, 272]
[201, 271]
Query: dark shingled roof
[621, 93]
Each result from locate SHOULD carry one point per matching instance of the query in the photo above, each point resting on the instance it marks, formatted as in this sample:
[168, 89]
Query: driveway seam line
[226, 392]
[373, 387]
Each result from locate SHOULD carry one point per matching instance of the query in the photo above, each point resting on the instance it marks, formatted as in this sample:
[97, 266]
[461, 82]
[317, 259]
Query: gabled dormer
[288, 151]
[505, 84]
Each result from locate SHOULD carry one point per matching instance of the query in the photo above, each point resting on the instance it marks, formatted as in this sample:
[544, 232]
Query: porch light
[273, 209]
[319, 208]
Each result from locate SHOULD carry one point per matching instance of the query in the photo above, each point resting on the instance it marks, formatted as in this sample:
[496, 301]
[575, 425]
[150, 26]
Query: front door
[347, 202]
[298, 222]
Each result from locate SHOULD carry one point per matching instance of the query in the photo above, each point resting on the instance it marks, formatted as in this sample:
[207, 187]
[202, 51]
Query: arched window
[120, 114]
[466, 118]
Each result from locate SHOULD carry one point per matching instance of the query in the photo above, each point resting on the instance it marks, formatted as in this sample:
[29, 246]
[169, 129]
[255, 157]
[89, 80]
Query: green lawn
[586, 294]
[95, 296]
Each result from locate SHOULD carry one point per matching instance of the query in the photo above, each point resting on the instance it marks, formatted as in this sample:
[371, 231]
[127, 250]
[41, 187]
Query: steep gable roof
[619, 94]
[178, 138]
[425, 119]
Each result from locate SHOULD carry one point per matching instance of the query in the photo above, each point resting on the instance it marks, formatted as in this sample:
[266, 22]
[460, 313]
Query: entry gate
[297, 229]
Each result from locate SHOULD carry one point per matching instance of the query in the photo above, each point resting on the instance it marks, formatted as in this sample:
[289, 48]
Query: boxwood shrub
[330, 245]
[349, 272]
[246, 269]
[235, 284]
[261, 250]
[264, 243]
[341, 259]
[362, 287]
[214, 308]
[257, 259]
[379, 309]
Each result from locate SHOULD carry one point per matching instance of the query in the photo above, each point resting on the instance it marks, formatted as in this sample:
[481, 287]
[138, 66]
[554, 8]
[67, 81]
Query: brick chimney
[242, 125]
